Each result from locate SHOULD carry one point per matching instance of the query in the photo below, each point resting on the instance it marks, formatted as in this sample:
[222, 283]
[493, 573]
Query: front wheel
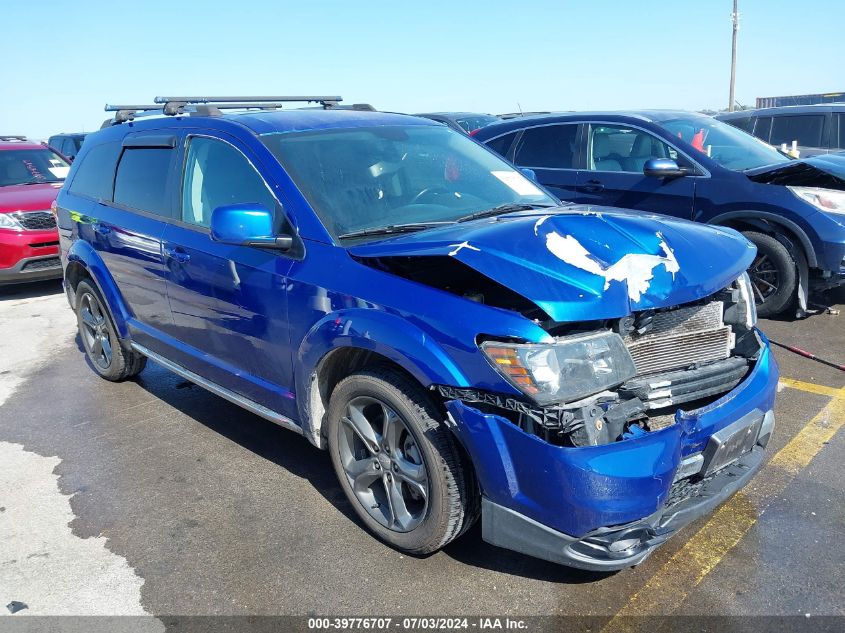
[397, 463]
[773, 274]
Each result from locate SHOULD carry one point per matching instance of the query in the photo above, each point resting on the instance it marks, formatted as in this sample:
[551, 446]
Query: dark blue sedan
[694, 167]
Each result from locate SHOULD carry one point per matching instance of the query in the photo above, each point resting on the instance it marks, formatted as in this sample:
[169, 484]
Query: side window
[95, 174]
[216, 174]
[141, 180]
[548, 146]
[763, 128]
[68, 147]
[619, 148]
[502, 144]
[806, 129]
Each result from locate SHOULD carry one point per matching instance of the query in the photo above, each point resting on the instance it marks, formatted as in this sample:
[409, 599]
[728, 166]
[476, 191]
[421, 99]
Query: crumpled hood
[37, 197]
[824, 170]
[582, 263]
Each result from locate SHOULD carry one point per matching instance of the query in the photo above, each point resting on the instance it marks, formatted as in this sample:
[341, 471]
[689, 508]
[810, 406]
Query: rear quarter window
[805, 128]
[95, 172]
[142, 178]
[502, 144]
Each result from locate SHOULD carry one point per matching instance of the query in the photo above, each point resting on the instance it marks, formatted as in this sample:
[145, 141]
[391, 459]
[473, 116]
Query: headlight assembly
[567, 370]
[830, 200]
[8, 221]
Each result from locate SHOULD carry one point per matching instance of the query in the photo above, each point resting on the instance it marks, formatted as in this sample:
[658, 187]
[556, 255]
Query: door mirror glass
[663, 168]
[249, 224]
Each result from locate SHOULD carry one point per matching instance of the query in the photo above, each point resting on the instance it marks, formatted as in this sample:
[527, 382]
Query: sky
[64, 60]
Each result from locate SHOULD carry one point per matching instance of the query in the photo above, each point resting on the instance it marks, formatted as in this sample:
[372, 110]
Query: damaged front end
[599, 482]
[611, 380]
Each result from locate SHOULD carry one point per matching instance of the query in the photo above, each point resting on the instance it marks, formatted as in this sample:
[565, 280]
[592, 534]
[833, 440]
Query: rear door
[229, 303]
[126, 231]
[551, 151]
[616, 155]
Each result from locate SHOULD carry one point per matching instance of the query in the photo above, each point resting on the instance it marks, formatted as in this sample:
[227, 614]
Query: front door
[616, 155]
[229, 303]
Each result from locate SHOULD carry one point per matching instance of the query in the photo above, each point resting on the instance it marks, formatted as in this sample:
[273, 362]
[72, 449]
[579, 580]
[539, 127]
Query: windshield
[31, 166]
[728, 146]
[366, 178]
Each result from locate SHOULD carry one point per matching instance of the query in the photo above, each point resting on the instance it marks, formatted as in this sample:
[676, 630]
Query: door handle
[177, 254]
[592, 186]
[101, 229]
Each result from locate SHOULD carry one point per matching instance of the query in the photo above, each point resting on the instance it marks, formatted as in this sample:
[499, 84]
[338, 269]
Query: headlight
[8, 221]
[830, 200]
[747, 298]
[567, 370]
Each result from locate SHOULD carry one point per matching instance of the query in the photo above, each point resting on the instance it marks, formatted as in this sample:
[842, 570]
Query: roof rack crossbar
[284, 99]
[12, 137]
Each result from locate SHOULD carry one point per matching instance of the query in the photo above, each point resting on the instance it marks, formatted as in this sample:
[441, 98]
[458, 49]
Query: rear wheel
[773, 274]
[397, 463]
[99, 337]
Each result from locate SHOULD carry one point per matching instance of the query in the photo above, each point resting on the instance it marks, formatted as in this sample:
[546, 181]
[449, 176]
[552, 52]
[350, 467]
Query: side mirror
[529, 173]
[249, 224]
[662, 168]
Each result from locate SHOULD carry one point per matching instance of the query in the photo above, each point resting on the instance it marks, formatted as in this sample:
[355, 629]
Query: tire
[99, 337]
[416, 441]
[773, 275]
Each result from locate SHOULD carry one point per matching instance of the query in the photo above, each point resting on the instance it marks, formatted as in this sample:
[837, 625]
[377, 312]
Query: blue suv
[588, 381]
[695, 167]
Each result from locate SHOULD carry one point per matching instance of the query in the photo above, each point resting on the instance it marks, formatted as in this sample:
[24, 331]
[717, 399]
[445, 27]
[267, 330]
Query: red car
[30, 178]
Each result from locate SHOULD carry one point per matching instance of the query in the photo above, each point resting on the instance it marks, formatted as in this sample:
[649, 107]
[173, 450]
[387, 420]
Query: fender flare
[82, 253]
[764, 220]
[383, 333]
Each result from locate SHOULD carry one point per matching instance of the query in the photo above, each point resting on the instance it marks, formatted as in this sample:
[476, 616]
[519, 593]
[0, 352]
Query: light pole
[735, 20]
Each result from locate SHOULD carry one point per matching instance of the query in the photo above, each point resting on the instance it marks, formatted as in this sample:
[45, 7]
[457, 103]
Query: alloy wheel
[764, 278]
[383, 464]
[95, 331]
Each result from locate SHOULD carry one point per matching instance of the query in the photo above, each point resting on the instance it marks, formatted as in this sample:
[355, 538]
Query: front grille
[41, 264]
[36, 220]
[681, 338]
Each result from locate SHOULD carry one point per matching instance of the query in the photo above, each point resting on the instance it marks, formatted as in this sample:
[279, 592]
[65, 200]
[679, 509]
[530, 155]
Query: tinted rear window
[95, 173]
[141, 180]
[806, 129]
[549, 146]
[745, 123]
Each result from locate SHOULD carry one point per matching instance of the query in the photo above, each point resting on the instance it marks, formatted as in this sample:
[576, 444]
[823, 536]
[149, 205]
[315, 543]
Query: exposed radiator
[681, 338]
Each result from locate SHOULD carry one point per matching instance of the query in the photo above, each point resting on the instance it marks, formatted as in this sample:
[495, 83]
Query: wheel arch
[772, 224]
[83, 262]
[342, 343]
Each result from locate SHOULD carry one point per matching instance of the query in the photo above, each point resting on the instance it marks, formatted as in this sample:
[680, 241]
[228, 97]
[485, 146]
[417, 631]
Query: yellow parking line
[812, 388]
[671, 584]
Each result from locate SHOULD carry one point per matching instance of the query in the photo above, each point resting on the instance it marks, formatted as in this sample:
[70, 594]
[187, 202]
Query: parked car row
[585, 379]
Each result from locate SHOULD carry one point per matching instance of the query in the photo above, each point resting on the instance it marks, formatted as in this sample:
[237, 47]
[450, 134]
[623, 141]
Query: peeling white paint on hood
[635, 269]
[458, 248]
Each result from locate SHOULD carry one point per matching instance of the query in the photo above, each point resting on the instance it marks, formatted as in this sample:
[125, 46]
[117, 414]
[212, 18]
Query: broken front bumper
[607, 507]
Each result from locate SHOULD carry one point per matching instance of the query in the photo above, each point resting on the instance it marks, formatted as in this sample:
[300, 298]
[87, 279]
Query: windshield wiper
[393, 228]
[510, 207]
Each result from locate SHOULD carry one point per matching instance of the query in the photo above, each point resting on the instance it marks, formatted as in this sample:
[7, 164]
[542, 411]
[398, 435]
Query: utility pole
[735, 20]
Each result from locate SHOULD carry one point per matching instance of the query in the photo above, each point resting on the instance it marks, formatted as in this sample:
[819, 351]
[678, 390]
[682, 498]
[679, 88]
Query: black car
[67, 144]
[818, 129]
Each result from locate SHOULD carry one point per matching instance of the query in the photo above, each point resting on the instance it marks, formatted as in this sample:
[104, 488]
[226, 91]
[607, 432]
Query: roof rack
[12, 137]
[208, 106]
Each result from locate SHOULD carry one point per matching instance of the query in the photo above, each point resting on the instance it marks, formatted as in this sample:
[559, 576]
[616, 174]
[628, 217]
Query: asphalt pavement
[200, 508]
